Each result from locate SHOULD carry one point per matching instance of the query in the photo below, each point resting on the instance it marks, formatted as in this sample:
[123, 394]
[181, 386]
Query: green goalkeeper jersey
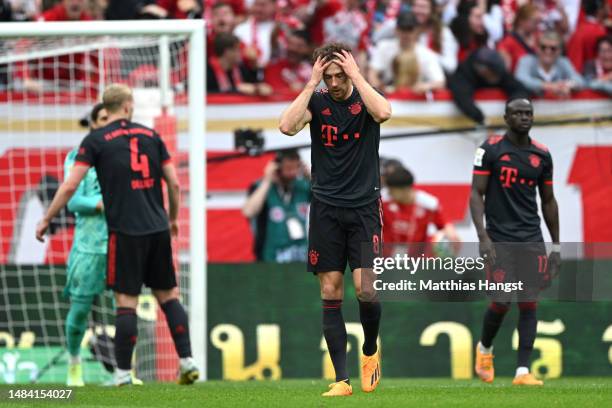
[90, 234]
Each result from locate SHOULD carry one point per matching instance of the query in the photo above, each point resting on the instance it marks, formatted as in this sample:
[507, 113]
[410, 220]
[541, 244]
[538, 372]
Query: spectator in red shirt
[435, 35]
[67, 10]
[222, 20]
[523, 39]
[582, 45]
[225, 72]
[257, 33]
[324, 9]
[469, 29]
[66, 71]
[294, 70]
[409, 213]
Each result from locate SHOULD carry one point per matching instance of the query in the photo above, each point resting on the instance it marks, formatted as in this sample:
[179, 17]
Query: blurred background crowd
[412, 47]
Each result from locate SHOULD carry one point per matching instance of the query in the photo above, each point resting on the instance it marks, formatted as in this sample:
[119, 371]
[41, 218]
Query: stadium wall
[264, 323]
[441, 164]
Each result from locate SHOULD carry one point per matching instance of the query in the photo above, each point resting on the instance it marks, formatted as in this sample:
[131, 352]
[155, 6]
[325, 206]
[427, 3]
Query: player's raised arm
[61, 198]
[375, 103]
[297, 115]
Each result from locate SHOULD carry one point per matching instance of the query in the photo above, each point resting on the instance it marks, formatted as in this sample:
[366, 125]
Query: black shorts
[337, 235]
[134, 260]
[519, 262]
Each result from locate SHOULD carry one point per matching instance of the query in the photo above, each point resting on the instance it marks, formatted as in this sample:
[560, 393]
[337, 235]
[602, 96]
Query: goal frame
[194, 29]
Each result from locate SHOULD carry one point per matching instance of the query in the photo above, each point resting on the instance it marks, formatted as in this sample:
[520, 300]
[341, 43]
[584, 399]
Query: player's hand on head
[318, 69]
[347, 63]
[41, 230]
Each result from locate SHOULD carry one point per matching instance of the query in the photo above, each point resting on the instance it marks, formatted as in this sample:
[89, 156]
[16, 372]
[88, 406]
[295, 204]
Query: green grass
[396, 393]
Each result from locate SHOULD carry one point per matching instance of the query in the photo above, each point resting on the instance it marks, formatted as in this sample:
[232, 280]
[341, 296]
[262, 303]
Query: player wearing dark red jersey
[131, 161]
[508, 170]
[345, 212]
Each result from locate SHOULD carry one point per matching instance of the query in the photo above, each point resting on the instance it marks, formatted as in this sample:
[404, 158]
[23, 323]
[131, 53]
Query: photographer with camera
[277, 206]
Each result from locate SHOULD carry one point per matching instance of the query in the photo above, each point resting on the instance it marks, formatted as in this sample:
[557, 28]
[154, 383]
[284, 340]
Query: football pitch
[566, 392]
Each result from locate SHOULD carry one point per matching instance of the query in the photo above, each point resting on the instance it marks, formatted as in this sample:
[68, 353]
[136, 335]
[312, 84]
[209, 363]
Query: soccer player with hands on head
[345, 213]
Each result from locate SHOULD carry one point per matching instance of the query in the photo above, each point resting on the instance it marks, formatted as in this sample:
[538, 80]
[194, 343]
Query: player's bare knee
[164, 295]
[125, 300]
[331, 290]
[365, 294]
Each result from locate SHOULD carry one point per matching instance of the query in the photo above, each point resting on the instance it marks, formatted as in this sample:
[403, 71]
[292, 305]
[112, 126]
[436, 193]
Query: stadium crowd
[411, 47]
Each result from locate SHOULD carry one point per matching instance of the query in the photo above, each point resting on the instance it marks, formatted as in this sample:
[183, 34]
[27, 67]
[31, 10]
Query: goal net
[48, 84]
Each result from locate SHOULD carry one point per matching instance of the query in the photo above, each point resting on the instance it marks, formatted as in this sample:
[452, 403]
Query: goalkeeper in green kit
[87, 261]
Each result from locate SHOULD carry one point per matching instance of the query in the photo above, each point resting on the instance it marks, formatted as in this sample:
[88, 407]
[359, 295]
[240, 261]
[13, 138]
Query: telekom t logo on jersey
[329, 134]
[508, 176]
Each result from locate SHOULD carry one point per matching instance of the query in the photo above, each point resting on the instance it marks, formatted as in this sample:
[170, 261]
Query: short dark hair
[303, 34]
[327, 50]
[514, 98]
[591, 7]
[287, 154]
[406, 21]
[400, 177]
[603, 39]
[388, 165]
[93, 116]
[224, 42]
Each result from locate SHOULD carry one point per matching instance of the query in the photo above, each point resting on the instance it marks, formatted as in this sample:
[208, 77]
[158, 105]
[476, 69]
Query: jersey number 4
[139, 163]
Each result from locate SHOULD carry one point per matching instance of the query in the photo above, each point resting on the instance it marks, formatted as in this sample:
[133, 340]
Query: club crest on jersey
[534, 160]
[313, 257]
[326, 112]
[355, 108]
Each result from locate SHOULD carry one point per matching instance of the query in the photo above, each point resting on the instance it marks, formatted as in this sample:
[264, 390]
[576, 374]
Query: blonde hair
[115, 95]
[406, 69]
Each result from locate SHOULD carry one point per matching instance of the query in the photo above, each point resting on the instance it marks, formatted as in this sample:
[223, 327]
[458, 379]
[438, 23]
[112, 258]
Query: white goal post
[193, 30]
